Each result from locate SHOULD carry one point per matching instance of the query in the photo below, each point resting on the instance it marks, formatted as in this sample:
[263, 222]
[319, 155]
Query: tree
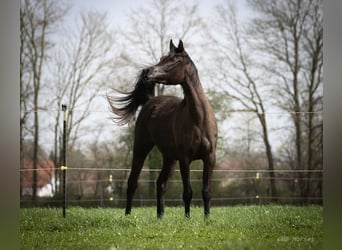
[153, 25]
[244, 83]
[276, 60]
[24, 90]
[82, 68]
[37, 22]
[291, 35]
[84, 65]
[313, 47]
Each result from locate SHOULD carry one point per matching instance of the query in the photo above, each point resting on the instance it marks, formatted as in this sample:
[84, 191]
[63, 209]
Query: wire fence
[47, 110]
[192, 170]
[86, 186]
[105, 187]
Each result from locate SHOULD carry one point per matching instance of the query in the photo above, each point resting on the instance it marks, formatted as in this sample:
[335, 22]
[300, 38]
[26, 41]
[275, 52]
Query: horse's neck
[195, 99]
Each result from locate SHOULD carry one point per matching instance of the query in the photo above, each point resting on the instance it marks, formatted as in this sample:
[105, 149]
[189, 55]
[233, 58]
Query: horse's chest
[196, 142]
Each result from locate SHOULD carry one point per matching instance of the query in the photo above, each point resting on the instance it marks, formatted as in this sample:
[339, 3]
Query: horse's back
[159, 107]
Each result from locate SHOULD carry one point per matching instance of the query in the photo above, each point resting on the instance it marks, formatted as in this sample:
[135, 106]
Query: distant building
[229, 165]
[46, 184]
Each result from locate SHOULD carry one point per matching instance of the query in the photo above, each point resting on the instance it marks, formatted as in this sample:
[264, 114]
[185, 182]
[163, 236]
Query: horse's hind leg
[140, 151]
[166, 172]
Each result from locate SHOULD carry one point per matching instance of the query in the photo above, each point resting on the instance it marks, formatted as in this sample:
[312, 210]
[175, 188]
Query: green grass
[240, 227]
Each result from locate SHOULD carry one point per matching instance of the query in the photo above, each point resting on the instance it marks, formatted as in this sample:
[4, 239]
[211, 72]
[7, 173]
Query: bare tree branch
[84, 64]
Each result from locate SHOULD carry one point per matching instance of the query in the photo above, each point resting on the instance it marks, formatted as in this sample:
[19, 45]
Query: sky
[118, 15]
[118, 10]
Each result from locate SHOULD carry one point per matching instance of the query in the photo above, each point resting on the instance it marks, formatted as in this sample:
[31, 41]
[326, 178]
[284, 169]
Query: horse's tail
[143, 91]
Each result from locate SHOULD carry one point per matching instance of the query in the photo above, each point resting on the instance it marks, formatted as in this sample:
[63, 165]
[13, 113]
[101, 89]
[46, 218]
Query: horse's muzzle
[156, 74]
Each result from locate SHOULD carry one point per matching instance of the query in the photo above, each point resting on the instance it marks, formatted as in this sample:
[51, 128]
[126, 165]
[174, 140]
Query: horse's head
[172, 68]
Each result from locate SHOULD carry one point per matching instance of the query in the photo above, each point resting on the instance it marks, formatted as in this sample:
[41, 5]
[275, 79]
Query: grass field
[240, 227]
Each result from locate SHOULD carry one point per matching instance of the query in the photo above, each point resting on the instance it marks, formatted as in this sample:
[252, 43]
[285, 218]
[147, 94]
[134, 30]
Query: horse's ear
[180, 46]
[172, 46]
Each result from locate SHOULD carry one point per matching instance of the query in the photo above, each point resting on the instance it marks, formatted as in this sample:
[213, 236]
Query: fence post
[64, 167]
[257, 177]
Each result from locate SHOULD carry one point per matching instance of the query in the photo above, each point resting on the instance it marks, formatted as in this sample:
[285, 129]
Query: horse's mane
[142, 92]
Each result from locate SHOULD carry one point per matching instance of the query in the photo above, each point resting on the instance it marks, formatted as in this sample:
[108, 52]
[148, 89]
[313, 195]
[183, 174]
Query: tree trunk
[21, 158]
[309, 148]
[297, 120]
[56, 151]
[269, 155]
[35, 150]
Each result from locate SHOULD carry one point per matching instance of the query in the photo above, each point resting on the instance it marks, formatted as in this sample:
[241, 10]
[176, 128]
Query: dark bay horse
[182, 129]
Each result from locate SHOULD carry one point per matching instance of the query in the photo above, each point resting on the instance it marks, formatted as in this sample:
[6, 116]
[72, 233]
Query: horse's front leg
[187, 190]
[167, 170]
[208, 166]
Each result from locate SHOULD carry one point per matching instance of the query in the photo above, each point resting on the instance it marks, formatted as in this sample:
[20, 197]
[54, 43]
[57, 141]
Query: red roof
[229, 164]
[46, 170]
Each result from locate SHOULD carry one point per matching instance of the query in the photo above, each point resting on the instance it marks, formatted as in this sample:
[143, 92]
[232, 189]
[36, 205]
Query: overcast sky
[118, 10]
[118, 16]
